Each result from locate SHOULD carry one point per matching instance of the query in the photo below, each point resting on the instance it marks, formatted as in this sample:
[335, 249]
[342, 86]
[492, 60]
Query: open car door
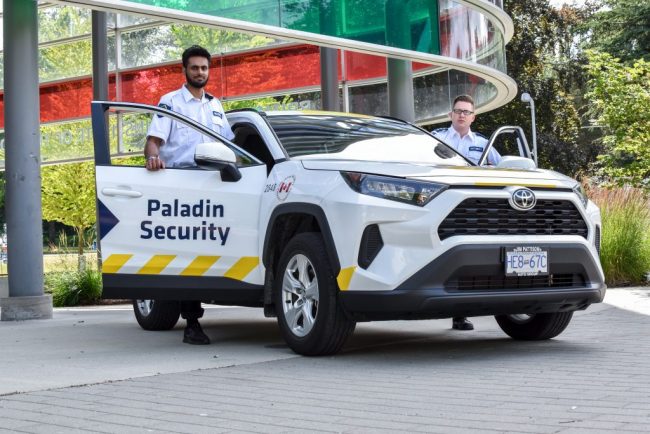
[515, 152]
[179, 234]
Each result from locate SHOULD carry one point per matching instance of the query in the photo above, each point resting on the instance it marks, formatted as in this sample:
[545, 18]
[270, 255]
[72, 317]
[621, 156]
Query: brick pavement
[595, 377]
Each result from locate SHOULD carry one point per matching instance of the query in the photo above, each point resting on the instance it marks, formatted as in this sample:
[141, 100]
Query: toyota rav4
[326, 219]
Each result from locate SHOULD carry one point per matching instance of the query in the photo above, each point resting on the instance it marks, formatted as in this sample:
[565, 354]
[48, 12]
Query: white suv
[325, 219]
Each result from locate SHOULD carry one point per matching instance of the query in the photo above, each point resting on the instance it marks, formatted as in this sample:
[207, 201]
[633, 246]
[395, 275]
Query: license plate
[526, 261]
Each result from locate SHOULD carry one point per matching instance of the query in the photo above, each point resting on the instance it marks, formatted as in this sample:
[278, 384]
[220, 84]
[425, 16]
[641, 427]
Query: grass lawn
[66, 261]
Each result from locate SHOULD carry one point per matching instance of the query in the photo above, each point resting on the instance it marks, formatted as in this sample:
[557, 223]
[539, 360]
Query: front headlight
[581, 194]
[402, 190]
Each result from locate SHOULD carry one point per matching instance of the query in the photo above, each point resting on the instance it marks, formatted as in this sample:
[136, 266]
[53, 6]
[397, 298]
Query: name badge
[475, 149]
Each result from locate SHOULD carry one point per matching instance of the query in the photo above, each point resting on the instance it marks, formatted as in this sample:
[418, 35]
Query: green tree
[620, 105]
[543, 60]
[622, 29]
[68, 197]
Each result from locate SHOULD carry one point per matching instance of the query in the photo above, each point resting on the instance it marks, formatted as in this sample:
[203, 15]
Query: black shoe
[194, 334]
[462, 323]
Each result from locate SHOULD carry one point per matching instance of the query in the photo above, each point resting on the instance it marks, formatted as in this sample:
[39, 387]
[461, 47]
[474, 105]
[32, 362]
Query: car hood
[453, 175]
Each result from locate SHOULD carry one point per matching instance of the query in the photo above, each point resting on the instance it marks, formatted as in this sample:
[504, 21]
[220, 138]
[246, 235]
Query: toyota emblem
[523, 199]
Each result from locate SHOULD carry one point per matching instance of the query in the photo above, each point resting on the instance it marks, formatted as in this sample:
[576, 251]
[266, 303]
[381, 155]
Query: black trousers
[191, 310]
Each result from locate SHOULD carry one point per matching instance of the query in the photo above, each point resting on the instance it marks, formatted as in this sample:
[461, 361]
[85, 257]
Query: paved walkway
[392, 376]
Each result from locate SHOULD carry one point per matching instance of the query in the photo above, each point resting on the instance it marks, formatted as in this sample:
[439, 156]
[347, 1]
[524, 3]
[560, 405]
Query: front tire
[156, 314]
[536, 327]
[310, 317]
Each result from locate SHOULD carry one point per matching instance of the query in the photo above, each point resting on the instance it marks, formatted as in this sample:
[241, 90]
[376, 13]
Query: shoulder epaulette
[209, 97]
[439, 130]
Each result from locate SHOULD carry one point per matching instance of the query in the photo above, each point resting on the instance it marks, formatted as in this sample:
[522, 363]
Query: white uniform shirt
[471, 146]
[179, 140]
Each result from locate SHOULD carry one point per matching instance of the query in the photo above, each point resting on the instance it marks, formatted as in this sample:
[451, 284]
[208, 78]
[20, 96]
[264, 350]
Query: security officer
[172, 144]
[470, 145]
[459, 135]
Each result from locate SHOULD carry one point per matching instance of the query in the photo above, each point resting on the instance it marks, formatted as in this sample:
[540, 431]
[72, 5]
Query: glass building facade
[257, 70]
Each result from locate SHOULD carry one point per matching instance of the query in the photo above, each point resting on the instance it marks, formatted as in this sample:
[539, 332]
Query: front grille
[496, 217]
[500, 282]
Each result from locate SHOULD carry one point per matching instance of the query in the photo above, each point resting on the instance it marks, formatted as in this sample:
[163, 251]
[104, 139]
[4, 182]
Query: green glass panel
[412, 25]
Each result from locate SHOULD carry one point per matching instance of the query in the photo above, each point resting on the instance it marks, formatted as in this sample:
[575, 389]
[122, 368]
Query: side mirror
[519, 163]
[217, 156]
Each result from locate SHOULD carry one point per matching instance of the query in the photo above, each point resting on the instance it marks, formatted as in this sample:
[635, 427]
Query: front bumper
[435, 292]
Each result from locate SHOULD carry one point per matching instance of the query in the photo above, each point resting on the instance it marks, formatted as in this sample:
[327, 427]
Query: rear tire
[310, 317]
[535, 327]
[156, 314]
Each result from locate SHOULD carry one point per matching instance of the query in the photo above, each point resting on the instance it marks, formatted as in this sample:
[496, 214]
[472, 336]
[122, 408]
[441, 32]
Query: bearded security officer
[471, 146]
[171, 144]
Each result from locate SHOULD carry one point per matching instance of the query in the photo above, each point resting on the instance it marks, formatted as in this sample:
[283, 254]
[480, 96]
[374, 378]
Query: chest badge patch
[165, 106]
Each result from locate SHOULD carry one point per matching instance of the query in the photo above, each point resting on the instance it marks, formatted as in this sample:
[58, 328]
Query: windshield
[359, 138]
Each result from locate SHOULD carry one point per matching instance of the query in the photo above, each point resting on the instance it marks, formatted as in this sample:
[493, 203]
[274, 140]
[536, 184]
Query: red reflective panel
[146, 86]
[419, 66]
[264, 71]
[272, 70]
[65, 100]
[360, 66]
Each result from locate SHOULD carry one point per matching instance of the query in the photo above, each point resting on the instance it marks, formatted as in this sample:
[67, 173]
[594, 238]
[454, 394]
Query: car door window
[132, 128]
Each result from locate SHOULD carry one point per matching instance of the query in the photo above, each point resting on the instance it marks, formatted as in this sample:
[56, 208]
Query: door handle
[120, 192]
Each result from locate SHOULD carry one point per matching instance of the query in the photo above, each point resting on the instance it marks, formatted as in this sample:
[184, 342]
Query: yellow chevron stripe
[156, 264]
[242, 267]
[518, 183]
[113, 263]
[344, 277]
[200, 265]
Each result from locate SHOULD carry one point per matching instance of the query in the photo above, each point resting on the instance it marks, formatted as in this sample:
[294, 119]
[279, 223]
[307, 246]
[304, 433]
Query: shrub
[625, 242]
[73, 288]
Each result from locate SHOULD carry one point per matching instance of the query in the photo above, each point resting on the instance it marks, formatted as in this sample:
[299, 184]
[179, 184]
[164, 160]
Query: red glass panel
[2, 110]
[65, 100]
[146, 86]
[262, 71]
[359, 66]
[272, 70]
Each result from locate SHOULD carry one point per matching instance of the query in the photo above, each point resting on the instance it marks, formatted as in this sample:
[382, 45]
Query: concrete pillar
[100, 56]
[329, 57]
[329, 78]
[23, 163]
[401, 103]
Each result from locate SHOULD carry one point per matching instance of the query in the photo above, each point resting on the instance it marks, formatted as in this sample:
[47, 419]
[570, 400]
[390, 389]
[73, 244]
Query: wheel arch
[285, 222]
